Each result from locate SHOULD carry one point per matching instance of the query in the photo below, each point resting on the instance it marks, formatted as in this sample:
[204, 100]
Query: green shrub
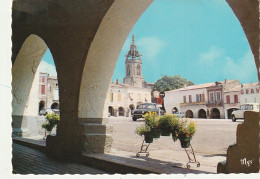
[51, 121]
[142, 129]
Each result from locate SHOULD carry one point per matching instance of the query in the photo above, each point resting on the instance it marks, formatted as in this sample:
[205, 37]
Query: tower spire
[133, 39]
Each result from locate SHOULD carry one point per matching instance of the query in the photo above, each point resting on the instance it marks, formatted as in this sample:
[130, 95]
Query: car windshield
[146, 106]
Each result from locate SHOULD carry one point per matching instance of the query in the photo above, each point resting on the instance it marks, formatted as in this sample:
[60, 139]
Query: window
[247, 91]
[218, 96]
[138, 69]
[211, 98]
[43, 79]
[184, 99]
[197, 98]
[119, 96]
[190, 99]
[43, 89]
[203, 97]
[228, 99]
[257, 90]
[111, 97]
[236, 98]
[252, 91]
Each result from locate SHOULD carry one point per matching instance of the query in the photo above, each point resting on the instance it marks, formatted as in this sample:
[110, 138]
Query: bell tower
[133, 66]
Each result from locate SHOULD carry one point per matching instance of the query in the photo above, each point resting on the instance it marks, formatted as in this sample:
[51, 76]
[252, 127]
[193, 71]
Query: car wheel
[234, 118]
[134, 118]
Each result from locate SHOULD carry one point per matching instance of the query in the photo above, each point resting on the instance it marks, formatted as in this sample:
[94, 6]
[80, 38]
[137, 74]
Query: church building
[125, 97]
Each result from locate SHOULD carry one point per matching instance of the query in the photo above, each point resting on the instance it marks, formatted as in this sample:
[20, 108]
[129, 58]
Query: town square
[132, 87]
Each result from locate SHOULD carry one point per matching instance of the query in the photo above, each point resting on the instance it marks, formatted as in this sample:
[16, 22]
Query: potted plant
[146, 131]
[152, 120]
[51, 122]
[166, 124]
[176, 127]
[187, 130]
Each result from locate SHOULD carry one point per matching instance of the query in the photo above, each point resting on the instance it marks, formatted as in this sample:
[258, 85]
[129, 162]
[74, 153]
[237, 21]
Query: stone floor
[31, 161]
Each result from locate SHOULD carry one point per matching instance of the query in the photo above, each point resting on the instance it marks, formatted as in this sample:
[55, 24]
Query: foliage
[187, 128]
[151, 119]
[168, 122]
[142, 129]
[167, 83]
[51, 121]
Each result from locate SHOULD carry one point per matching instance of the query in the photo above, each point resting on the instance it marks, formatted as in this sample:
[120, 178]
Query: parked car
[144, 108]
[179, 114]
[239, 114]
[45, 111]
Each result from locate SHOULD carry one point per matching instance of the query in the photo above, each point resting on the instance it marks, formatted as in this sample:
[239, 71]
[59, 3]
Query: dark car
[142, 109]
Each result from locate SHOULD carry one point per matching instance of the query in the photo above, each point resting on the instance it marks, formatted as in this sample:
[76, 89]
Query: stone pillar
[243, 157]
[97, 135]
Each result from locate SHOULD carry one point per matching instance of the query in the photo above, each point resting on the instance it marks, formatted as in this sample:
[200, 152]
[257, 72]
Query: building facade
[250, 93]
[48, 91]
[125, 97]
[204, 100]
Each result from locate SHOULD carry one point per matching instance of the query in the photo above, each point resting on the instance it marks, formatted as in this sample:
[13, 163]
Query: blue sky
[200, 40]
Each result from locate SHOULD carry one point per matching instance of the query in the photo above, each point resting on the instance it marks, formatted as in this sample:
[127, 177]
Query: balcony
[194, 103]
[214, 103]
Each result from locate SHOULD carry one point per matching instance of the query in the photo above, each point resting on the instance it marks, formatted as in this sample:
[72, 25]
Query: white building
[191, 100]
[250, 93]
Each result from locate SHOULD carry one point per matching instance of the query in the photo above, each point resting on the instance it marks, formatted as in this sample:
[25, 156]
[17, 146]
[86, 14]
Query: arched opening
[202, 114]
[111, 111]
[29, 86]
[215, 113]
[229, 112]
[138, 69]
[132, 107]
[121, 111]
[189, 114]
[41, 105]
[174, 110]
[55, 105]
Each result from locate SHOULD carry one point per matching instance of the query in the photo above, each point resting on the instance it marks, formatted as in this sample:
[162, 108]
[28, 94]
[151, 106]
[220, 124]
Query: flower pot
[185, 141]
[165, 132]
[156, 132]
[148, 138]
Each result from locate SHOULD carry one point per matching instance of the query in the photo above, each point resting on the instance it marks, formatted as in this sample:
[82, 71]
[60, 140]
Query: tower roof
[133, 52]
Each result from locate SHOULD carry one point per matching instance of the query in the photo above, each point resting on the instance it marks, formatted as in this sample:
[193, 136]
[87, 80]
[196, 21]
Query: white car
[239, 114]
[179, 114]
[45, 111]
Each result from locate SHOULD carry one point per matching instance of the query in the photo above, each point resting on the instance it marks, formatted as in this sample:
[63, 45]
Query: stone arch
[215, 113]
[41, 105]
[229, 111]
[174, 110]
[202, 113]
[121, 111]
[189, 114]
[25, 87]
[55, 105]
[111, 111]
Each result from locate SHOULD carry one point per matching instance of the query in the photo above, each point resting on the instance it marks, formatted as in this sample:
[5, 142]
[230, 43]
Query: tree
[167, 83]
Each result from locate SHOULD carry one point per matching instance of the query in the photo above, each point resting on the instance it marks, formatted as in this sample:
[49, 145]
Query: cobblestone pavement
[30, 161]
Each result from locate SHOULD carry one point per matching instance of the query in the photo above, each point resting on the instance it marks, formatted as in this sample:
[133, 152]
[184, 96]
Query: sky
[200, 40]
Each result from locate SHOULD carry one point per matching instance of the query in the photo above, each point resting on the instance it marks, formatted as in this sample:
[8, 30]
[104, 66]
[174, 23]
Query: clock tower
[133, 66]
